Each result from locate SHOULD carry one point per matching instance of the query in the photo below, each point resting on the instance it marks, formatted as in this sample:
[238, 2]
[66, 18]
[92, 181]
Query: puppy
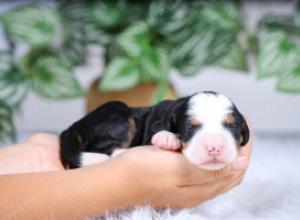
[206, 127]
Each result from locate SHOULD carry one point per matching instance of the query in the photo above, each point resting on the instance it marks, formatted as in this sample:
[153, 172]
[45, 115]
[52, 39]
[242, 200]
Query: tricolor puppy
[206, 127]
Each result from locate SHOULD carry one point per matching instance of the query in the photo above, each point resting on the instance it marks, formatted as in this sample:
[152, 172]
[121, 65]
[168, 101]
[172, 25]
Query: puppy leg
[166, 140]
[87, 158]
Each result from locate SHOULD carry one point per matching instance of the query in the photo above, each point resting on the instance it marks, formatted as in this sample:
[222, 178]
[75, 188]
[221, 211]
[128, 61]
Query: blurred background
[61, 59]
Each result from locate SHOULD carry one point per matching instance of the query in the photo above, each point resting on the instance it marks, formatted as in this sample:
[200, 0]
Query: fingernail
[240, 163]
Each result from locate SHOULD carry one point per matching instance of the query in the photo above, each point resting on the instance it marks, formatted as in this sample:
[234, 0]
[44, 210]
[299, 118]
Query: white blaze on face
[210, 110]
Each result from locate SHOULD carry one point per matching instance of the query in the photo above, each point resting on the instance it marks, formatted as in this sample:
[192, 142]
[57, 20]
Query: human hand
[142, 175]
[167, 179]
[38, 153]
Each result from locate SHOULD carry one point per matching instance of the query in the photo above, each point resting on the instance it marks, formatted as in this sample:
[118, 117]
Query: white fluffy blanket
[270, 191]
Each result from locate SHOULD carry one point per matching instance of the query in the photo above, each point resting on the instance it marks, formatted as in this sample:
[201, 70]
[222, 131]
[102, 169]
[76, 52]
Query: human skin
[34, 185]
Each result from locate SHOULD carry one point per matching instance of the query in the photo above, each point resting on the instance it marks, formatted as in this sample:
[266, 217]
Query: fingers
[197, 176]
[228, 183]
[199, 193]
[240, 163]
[247, 149]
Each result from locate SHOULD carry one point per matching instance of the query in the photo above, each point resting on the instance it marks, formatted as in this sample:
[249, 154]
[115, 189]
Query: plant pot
[140, 95]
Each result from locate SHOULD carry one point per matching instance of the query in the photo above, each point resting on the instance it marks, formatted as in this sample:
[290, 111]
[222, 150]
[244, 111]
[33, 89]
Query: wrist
[134, 184]
[125, 180]
[107, 187]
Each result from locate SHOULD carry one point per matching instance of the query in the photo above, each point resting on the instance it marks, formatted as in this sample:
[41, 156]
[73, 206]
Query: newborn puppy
[206, 127]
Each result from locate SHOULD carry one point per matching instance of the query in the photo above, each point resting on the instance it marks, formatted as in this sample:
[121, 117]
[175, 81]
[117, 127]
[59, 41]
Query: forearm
[73, 194]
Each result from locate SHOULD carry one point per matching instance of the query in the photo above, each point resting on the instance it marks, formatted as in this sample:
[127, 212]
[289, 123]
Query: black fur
[107, 127]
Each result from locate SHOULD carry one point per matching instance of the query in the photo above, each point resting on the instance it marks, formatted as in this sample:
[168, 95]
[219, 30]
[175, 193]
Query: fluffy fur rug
[270, 191]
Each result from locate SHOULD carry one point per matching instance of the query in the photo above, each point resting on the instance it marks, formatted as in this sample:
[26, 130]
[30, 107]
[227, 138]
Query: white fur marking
[88, 158]
[209, 108]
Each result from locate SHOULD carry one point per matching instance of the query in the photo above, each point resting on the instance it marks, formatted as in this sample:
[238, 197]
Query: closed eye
[192, 125]
[230, 125]
[189, 131]
[196, 126]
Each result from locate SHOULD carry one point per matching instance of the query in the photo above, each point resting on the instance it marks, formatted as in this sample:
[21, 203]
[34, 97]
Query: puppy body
[114, 126]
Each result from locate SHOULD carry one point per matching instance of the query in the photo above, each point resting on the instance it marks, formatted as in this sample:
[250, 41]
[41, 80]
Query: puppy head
[213, 130]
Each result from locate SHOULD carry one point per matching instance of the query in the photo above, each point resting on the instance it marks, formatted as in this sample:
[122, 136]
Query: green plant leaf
[155, 65]
[73, 50]
[220, 45]
[121, 74]
[290, 81]
[94, 35]
[106, 14]
[172, 20]
[234, 59]
[134, 39]
[181, 23]
[13, 87]
[111, 52]
[54, 79]
[77, 36]
[277, 54]
[73, 10]
[297, 19]
[13, 84]
[5, 62]
[35, 24]
[7, 129]
[160, 93]
[168, 16]
[190, 55]
[280, 22]
[222, 14]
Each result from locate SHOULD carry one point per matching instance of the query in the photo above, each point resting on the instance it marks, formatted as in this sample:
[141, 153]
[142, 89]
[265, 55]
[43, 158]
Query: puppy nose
[214, 144]
[214, 150]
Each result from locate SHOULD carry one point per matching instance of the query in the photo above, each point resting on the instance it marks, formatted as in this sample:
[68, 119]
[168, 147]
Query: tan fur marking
[229, 119]
[195, 122]
[184, 145]
[131, 132]
[241, 140]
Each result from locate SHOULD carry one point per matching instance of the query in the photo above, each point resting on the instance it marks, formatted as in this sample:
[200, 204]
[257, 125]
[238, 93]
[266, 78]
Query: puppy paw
[166, 140]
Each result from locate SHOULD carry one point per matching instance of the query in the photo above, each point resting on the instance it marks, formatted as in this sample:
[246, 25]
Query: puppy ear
[245, 133]
[178, 114]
